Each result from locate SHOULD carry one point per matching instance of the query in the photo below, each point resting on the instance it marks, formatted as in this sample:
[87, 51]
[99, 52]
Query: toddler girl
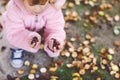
[23, 21]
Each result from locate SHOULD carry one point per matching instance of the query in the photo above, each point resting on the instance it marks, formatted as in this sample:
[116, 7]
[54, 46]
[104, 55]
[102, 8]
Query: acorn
[17, 79]
[67, 54]
[83, 61]
[42, 46]
[116, 30]
[94, 0]
[98, 78]
[69, 44]
[74, 54]
[31, 76]
[53, 69]
[71, 5]
[92, 18]
[79, 49]
[87, 54]
[95, 68]
[87, 13]
[112, 72]
[32, 71]
[35, 66]
[67, 12]
[115, 68]
[91, 56]
[84, 58]
[21, 72]
[91, 3]
[103, 50]
[75, 62]
[85, 24]
[86, 50]
[53, 78]
[117, 75]
[62, 53]
[43, 70]
[86, 2]
[101, 13]
[27, 63]
[87, 66]
[117, 43]
[75, 78]
[89, 60]
[77, 2]
[94, 61]
[66, 18]
[74, 14]
[111, 51]
[109, 6]
[109, 57]
[102, 66]
[73, 39]
[93, 40]
[116, 17]
[86, 42]
[79, 64]
[88, 36]
[76, 75]
[108, 17]
[82, 71]
[37, 76]
[69, 65]
[104, 61]
[71, 49]
[102, 7]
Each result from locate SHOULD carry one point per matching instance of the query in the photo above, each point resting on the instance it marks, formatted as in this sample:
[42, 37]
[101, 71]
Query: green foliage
[24, 77]
[65, 73]
[96, 49]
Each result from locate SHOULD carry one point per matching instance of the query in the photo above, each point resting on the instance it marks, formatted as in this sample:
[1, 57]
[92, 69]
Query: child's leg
[16, 58]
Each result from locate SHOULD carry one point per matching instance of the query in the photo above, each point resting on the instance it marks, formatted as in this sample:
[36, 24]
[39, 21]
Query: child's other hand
[52, 1]
[54, 45]
[34, 42]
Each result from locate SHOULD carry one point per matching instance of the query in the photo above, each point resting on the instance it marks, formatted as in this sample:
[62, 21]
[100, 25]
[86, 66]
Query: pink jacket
[17, 20]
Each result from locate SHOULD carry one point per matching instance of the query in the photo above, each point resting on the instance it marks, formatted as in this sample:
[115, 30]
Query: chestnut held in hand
[34, 41]
[55, 44]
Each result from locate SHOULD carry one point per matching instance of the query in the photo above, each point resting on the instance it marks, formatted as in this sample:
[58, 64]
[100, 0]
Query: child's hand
[52, 1]
[54, 45]
[34, 42]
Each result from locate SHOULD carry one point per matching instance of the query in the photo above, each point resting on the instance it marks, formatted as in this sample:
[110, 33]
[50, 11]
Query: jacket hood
[20, 5]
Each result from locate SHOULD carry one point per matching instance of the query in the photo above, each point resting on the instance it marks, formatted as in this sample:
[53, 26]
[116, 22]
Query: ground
[102, 31]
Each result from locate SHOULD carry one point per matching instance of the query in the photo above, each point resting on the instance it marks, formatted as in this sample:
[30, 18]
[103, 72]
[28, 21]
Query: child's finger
[34, 41]
[38, 43]
[54, 48]
[39, 39]
[51, 44]
[59, 47]
[33, 45]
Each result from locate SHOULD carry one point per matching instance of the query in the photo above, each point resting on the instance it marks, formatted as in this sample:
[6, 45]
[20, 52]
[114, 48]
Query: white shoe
[17, 58]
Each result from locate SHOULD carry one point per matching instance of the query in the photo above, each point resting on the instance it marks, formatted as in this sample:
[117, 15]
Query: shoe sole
[16, 66]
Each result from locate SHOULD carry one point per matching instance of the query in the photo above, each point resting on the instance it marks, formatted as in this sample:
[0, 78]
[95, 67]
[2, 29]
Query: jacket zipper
[36, 18]
[36, 21]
